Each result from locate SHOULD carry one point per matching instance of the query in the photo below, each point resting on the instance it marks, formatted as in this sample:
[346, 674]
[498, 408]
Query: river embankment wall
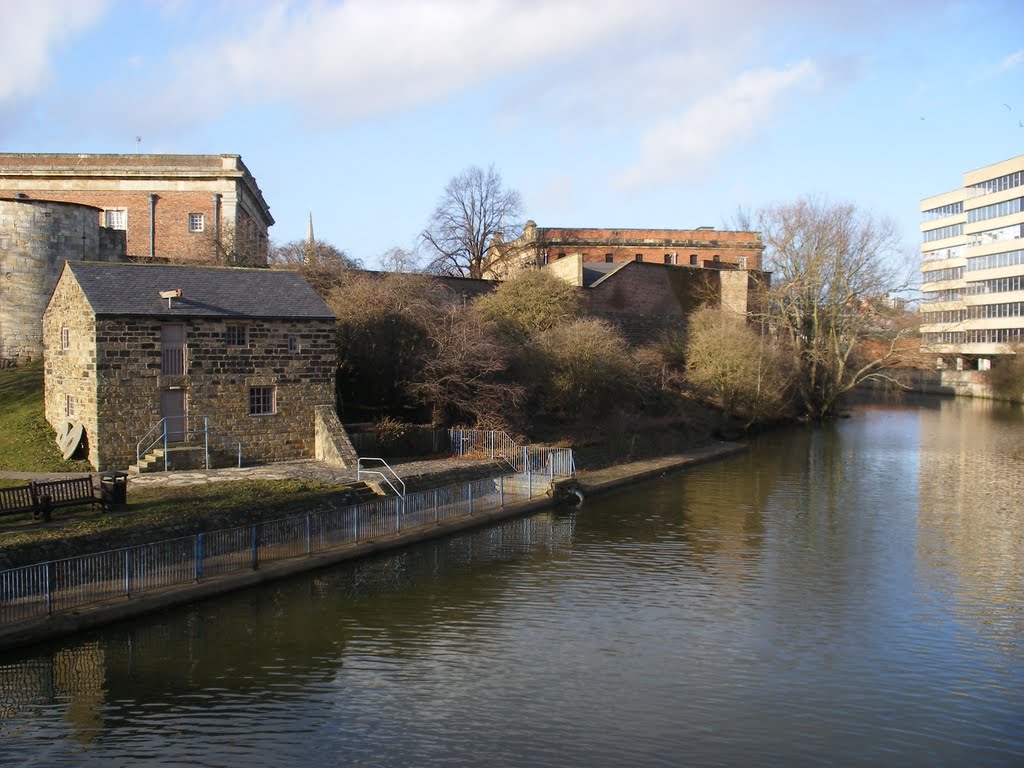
[588, 484]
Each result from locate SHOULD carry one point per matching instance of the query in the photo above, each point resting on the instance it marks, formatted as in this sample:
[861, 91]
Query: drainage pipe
[152, 226]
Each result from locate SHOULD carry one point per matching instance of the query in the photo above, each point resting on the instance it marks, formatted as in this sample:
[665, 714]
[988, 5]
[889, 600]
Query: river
[851, 595]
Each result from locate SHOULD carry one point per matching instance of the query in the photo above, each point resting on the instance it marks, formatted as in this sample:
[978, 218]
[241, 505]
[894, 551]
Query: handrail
[360, 471]
[221, 437]
[225, 438]
[161, 438]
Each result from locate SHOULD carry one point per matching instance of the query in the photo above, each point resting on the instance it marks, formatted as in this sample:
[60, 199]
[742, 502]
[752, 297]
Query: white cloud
[1012, 61]
[339, 63]
[29, 33]
[688, 146]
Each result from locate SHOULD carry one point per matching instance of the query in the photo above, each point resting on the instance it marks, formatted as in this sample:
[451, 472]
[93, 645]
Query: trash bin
[114, 488]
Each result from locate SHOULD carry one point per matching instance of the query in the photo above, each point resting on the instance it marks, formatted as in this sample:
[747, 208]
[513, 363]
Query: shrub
[581, 369]
[383, 330]
[531, 302]
[747, 372]
[1006, 377]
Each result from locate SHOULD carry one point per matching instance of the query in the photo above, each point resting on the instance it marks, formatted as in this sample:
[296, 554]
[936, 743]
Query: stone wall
[114, 374]
[217, 383]
[70, 372]
[36, 238]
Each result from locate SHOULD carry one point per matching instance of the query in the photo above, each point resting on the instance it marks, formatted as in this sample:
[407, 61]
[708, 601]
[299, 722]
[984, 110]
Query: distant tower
[310, 241]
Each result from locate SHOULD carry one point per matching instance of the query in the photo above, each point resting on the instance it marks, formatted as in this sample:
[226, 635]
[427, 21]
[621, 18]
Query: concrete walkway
[316, 471]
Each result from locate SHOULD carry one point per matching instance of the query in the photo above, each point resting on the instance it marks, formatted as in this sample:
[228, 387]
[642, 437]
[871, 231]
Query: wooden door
[172, 408]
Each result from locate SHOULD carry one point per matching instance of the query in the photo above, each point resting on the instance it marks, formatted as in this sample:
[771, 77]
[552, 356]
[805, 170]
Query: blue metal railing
[43, 589]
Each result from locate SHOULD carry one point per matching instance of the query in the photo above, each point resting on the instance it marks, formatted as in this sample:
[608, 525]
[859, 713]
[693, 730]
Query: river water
[849, 595]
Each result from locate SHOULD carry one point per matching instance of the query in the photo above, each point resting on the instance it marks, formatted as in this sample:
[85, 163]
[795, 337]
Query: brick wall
[173, 239]
[659, 246]
[183, 184]
[650, 289]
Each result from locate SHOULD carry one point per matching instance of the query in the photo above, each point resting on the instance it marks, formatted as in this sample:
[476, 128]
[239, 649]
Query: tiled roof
[134, 289]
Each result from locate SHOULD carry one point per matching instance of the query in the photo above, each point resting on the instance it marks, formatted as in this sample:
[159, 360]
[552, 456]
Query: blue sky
[617, 113]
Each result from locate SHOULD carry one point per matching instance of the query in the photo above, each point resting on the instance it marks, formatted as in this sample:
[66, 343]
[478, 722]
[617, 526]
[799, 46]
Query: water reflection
[848, 595]
[285, 638]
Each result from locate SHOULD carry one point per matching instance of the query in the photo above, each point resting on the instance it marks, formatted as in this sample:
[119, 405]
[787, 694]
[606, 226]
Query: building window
[262, 401]
[293, 344]
[668, 258]
[693, 259]
[236, 335]
[716, 258]
[639, 257]
[608, 258]
[69, 406]
[115, 218]
[196, 222]
[65, 337]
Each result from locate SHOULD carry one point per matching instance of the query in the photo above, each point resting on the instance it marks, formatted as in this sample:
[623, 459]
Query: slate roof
[595, 271]
[134, 289]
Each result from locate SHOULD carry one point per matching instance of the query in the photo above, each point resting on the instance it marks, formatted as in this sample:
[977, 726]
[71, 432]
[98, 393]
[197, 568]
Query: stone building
[36, 238]
[180, 208]
[704, 247]
[131, 349]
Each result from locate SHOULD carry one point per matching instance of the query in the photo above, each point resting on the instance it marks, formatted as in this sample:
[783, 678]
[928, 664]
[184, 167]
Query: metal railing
[222, 438]
[166, 431]
[43, 589]
[385, 476]
[494, 444]
[491, 443]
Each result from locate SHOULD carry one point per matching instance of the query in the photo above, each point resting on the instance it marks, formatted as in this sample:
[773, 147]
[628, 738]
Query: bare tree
[472, 220]
[398, 259]
[835, 268]
[466, 376]
[319, 262]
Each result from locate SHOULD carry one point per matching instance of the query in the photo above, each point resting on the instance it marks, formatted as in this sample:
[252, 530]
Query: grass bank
[27, 441]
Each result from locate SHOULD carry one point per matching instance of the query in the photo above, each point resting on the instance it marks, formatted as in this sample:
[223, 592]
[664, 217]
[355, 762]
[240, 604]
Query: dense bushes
[747, 372]
[409, 348]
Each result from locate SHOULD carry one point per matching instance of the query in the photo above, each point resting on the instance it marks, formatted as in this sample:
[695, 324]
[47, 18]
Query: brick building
[704, 247]
[647, 299]
[180, 208]
[248, 353]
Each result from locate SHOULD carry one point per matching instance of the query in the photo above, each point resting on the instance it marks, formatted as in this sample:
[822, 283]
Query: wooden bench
[15, 500]
[40, 498]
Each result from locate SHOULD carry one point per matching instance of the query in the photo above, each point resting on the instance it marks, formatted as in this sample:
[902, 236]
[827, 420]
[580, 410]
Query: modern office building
[972, 280]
